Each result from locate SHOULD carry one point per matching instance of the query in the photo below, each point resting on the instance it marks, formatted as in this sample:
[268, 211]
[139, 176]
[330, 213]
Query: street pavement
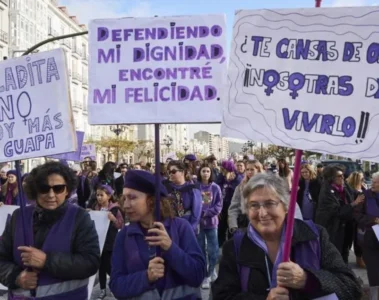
[361, 273]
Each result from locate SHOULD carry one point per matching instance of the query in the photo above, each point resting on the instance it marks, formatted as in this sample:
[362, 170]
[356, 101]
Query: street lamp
[168, 142]
[117, 130]
[185, 148]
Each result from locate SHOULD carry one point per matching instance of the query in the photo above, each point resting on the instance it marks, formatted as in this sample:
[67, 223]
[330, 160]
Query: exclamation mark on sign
[363, 126]
[246, 79]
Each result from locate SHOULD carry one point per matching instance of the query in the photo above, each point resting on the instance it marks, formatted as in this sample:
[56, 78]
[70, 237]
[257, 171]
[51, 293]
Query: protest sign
[306, 79]
[157, 70]
[35, 110]
[73, 156]
[100, 219]
[88, 150]
[102, 224]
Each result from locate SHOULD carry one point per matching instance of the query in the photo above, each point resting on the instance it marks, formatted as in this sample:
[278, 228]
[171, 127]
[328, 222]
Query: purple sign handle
[157, 212]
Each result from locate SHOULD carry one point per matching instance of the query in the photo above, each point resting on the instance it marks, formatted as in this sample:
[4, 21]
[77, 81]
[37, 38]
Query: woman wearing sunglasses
[185, 196]
[64, 249]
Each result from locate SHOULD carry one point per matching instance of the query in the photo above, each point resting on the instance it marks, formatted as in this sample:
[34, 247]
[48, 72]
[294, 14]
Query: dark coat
[84, 259]
[119, 185]
[333, 277]
[334, 214]
[314, 191]
[83, 190]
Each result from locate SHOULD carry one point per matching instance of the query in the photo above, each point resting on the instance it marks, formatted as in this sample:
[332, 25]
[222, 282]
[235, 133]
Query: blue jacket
[192, 202]
[184, 264]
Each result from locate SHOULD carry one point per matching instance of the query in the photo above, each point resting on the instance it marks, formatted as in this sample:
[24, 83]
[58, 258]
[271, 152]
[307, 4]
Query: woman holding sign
[251, 267]
[64, 248]
[137, 272]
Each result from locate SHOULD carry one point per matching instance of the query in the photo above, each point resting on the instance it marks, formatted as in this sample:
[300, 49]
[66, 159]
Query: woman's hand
[27, 280]
[159, 237]
[155, 270]
[291, 275]
[1, 204]
[111, 217]
[32, 257]
[278, 293]
[359, 200]
[230, 176]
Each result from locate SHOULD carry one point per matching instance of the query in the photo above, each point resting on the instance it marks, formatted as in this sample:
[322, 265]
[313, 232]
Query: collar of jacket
[250, 252]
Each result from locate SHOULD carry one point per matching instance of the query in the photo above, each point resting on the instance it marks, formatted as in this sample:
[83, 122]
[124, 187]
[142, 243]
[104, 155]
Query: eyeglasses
[57, 189]
[267, 205]
[173, 172]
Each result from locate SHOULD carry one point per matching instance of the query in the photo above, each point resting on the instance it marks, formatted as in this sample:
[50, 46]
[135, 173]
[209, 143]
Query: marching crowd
[240, 206]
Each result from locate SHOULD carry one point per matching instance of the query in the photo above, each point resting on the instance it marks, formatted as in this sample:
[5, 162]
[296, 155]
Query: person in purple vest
[367, 215]
[251, 267]
[137, 271]
[64, 248]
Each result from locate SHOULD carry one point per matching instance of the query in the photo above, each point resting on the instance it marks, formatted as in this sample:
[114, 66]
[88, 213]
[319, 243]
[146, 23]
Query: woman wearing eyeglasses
[64, 249]
[251, 267]
[335, 209]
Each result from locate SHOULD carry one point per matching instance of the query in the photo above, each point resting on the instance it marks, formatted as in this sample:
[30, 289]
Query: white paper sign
[101, 223]
[376, 231]
[88, 150]
[306, 79]
[157, 70]
[35, 108]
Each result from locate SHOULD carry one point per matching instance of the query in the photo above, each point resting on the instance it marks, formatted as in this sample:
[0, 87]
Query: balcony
[76, 76]
[77, 104]
[85, 58]
[76, 50]
[67, 43]
[52, 32]
[4, 36]
[85, 82]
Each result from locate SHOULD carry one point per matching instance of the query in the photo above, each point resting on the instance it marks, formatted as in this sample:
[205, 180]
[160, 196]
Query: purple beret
[143, 181]
[12, 172]
[190, 157]
[107, 188]
[228, 165]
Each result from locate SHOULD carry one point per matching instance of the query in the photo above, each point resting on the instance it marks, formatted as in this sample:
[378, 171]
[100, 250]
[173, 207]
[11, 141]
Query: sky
[86, 10]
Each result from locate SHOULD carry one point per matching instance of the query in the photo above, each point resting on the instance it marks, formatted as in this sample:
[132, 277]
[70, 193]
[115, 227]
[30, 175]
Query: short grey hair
[271, 182]
[375, 175]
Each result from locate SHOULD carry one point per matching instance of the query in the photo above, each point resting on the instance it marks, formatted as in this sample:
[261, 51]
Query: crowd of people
[239, 206]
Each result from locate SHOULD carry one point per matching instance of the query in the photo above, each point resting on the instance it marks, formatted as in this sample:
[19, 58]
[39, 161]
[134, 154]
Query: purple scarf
[9, 195]
[341, 191]
[256, 238]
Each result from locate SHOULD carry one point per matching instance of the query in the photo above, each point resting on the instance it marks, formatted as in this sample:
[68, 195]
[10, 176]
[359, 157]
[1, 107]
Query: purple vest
[372, 204]
[58, 239]
[307, 255]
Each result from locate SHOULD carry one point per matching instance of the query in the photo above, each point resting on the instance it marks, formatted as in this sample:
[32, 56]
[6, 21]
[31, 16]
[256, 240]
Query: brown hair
[166, 209]
[112, 198]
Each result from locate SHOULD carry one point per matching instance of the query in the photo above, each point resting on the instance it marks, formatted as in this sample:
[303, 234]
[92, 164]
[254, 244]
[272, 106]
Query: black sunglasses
[57, 189]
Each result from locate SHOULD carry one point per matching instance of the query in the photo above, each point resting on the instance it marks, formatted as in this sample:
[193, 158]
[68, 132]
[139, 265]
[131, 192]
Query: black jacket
[333, 277]
[81, 263]
[83, 191]
[333, 213]
[119, 185]
[314, 191]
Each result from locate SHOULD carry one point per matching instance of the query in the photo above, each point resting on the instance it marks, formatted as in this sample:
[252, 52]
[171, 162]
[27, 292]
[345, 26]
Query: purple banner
[73, 156]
